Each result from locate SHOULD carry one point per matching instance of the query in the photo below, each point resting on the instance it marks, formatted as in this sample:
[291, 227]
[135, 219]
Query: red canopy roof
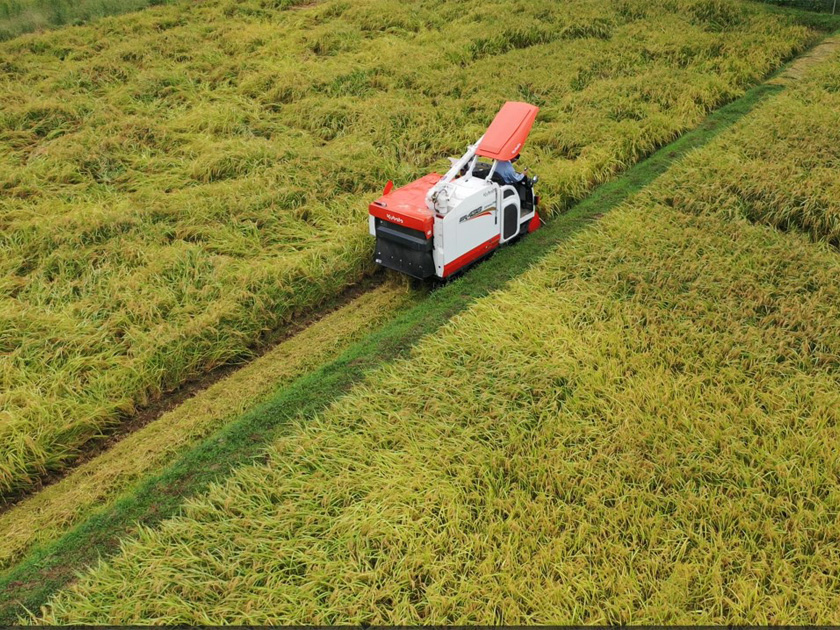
[507, 133]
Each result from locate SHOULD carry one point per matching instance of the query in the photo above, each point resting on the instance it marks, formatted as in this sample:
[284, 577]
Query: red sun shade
[508, 132]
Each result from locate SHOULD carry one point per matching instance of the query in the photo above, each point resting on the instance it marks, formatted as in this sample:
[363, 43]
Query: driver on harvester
[507, 173]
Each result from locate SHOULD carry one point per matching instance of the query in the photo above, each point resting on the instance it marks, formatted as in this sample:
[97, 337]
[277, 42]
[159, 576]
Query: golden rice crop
[46, 515]
[782, 166]
[640, 430]
[177, 181]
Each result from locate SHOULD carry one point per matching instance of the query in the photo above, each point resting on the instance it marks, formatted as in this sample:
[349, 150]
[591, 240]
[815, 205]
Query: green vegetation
[24, 16]
[47, 568]
[641, 429]
[178, 181]
[808, 5]
[89, 488]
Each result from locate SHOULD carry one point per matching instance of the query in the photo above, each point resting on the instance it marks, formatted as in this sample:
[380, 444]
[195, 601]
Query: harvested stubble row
[176, 182]
[642, 429]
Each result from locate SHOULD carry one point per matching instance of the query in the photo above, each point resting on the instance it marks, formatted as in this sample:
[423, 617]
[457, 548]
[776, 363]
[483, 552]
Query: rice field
[782, 167]
[179, 181]
[641, 429]
[54, 510]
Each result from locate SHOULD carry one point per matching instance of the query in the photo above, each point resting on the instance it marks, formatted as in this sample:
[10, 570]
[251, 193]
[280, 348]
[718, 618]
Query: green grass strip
[47, 569]
[819, 6]
[18, 17]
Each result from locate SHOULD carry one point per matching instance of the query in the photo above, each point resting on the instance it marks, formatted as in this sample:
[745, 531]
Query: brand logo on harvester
[473, 214]
[391, 217]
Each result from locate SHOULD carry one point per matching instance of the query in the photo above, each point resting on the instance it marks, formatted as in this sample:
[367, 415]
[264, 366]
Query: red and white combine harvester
[439, 225]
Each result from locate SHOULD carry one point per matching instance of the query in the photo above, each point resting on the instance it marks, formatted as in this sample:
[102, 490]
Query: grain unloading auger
[439, 225]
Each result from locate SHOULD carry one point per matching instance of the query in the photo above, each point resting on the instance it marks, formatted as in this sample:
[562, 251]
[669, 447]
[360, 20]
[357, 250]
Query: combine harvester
[439, 225]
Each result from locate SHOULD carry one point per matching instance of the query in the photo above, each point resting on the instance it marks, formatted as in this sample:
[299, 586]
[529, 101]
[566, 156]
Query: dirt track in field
[800, 66]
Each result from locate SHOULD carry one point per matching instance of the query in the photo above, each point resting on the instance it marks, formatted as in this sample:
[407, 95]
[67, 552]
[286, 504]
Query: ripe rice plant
[780, 167]
[178, 181]
[96, 483]
[642, 429]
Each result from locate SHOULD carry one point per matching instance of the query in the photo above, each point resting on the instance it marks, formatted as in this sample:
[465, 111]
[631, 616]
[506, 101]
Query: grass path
[52, 566]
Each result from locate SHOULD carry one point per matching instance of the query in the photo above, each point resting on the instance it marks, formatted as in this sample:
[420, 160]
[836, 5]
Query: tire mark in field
[52, 567]
[797, 68]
